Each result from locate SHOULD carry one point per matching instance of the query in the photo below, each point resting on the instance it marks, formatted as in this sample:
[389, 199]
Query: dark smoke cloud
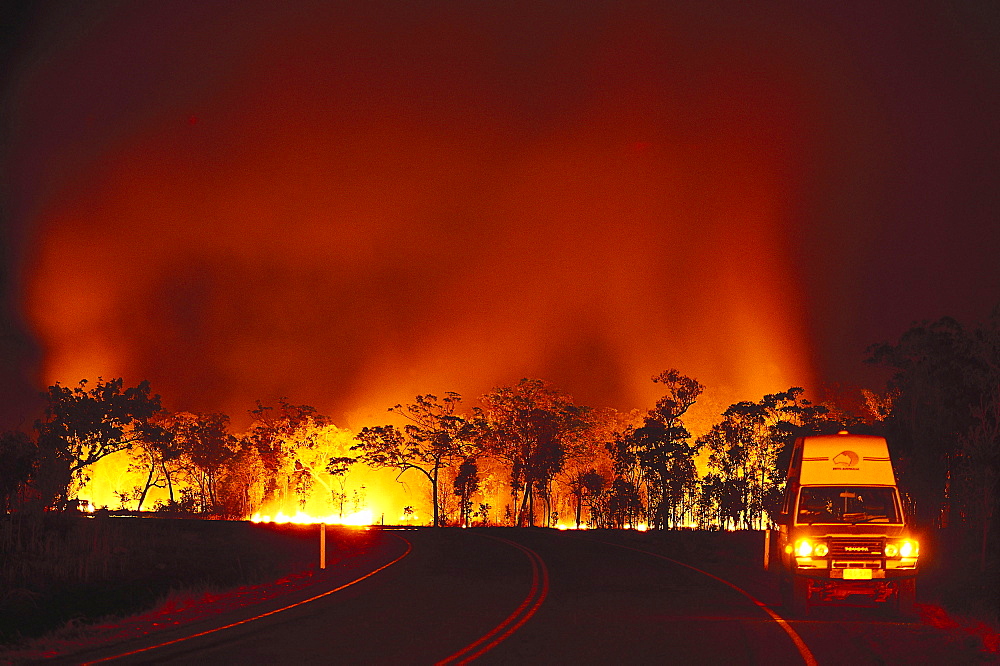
[351, 203]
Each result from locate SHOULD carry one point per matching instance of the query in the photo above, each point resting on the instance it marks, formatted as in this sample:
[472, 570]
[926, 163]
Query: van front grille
[857, 547]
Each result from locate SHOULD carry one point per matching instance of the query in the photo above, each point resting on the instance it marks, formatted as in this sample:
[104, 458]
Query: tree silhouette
[435, 438]
[588, 463]
[338, 467]
[748, 452]
[945, 420]
[83, 425]
[18, 457]
[941, 373]
[211, 450]
[662, 447]
[466, 483]
[528, 426]
[159, 458]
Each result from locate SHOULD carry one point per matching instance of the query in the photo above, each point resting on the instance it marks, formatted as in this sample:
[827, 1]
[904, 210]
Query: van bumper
[855, 574]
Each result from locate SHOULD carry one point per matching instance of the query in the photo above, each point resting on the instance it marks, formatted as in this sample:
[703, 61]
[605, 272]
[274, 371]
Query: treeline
[525, 455]
[528, 455]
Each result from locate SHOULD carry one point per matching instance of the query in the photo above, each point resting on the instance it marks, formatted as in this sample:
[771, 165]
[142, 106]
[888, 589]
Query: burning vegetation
[525, 454]
[528, 454]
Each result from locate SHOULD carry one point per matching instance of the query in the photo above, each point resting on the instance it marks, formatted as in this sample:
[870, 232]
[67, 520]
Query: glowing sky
[352, 203]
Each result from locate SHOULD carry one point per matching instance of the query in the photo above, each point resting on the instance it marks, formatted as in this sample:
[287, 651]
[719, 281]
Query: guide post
[322, 546]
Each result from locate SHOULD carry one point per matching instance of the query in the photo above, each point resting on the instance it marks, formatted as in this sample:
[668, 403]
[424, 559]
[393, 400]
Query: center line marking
[807, 655]
[536, 595]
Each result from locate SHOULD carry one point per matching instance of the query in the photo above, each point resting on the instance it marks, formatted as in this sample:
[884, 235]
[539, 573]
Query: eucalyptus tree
[944, 425]
[435, 438]
[208, 452]
[18, 458]
[748, 452]
[321, 463]
[529, 426]
[159, 459]
[277, 433]
[588, 465]
[465, 485]
[83, 424]
[622, 501]
[663, 449]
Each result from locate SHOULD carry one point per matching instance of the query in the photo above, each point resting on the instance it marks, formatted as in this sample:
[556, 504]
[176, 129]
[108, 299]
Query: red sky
[352, 203]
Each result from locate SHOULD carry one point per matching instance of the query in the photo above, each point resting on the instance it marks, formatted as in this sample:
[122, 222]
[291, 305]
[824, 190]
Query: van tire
[906, 597]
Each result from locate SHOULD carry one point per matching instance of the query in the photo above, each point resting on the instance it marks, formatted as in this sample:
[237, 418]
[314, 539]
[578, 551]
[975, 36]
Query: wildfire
[358, 518]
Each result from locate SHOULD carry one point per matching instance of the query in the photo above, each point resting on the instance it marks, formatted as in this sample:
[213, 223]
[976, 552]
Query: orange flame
[358, 518]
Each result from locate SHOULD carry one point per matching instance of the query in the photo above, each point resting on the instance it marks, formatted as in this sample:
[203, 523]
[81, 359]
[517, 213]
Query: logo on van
[846, 460]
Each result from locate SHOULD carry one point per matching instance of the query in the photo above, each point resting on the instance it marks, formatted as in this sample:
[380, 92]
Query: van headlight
[807, 548]
[904, 548]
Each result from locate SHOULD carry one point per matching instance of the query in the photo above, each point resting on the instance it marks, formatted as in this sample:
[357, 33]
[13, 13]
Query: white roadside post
[322, 545]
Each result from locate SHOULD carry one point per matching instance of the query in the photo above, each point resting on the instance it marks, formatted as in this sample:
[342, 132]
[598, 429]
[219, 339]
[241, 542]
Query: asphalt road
[504, 596]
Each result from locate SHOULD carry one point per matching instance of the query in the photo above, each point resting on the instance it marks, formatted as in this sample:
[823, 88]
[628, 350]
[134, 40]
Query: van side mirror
[781, 518]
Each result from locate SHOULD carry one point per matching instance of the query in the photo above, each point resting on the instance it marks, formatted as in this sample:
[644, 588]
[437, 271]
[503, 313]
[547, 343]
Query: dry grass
[58, 569]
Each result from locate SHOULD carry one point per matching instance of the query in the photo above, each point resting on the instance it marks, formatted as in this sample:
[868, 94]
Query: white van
[842, 530]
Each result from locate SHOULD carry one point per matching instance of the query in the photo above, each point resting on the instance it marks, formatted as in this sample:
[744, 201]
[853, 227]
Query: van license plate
[857, 574]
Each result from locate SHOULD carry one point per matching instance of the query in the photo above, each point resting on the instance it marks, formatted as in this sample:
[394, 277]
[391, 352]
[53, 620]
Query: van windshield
[847, 504]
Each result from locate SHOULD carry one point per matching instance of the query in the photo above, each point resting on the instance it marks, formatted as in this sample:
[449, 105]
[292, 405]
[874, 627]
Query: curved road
[504, 596]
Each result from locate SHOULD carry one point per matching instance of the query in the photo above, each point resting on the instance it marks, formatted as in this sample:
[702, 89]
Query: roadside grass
[962, 591]
[62, 573]
[179, 607]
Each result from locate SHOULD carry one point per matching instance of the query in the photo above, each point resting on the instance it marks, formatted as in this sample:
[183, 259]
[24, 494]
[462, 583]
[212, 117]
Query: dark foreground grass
[65, 572]
[57, 569]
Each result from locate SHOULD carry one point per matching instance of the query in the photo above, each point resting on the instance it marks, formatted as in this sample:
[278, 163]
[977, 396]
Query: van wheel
[906, 597]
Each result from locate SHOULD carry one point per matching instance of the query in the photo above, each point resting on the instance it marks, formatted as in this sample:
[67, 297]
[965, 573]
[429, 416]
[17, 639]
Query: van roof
[845, 459]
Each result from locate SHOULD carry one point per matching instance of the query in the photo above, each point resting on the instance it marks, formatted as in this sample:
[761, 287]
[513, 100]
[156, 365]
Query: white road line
[409, 547]
[807, 655]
